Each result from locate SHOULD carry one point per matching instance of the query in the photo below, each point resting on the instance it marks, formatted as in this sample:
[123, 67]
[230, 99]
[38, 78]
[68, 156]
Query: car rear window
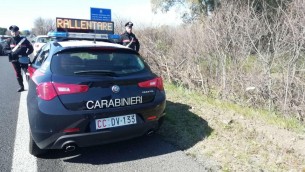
[106, 62]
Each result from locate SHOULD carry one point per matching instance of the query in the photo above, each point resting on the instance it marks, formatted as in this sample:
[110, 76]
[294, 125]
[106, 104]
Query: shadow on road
[139, 148]
[181, 128]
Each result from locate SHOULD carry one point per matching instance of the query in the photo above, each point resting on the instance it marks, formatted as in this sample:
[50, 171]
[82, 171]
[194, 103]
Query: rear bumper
[48, 128]
[104, 137]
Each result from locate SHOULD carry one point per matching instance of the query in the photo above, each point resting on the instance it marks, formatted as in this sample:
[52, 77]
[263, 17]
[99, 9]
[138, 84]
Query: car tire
[34, 149]
[160, 122]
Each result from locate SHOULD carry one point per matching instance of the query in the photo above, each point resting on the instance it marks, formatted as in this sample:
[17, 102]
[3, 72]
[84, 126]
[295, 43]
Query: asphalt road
[141, 154]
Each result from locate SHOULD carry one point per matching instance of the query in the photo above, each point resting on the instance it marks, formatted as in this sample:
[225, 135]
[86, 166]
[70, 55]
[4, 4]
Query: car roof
[85, 43]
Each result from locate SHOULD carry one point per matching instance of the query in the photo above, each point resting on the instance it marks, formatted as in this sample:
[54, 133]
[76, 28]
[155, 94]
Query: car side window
[42, 55]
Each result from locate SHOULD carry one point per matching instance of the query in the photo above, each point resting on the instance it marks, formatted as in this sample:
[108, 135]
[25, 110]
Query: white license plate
[115, 121]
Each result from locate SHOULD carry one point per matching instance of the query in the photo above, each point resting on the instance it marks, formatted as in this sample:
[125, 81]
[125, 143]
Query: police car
[39, 41]
[85, 91]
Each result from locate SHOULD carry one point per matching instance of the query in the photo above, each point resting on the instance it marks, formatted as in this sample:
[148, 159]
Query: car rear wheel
[34, 149]
[160, 122]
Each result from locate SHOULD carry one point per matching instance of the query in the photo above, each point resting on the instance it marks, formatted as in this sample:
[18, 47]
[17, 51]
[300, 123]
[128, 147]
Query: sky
[23, 12]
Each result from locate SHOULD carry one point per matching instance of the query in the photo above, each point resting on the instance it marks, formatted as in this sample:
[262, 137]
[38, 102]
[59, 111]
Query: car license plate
[115, 121]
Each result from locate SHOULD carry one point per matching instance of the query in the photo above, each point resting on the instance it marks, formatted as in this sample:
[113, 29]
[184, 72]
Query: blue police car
[85, 91]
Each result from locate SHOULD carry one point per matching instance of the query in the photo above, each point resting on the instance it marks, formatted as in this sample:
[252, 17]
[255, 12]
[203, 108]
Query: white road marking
[22, 159]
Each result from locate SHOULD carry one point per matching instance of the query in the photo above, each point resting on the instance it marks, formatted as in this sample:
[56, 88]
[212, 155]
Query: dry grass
[225, 140]
[240, 54]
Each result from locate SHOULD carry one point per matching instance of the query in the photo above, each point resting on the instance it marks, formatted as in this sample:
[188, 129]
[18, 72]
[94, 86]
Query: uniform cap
[129, 24]
[14, 28]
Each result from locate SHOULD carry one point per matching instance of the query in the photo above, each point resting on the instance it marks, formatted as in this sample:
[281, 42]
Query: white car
[39, 41]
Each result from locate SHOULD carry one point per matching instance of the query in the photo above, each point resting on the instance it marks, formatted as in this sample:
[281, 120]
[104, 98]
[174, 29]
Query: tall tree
[193, 9]
[25, 32]
[43, 26]
[2, 31]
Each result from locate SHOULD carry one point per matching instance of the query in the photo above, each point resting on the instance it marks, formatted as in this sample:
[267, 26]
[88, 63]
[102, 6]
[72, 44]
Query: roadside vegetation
[249, 53]
[228, 137]
[235, 82]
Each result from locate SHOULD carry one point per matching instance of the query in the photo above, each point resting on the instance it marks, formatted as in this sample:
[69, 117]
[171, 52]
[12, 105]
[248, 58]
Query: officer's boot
[20, 82]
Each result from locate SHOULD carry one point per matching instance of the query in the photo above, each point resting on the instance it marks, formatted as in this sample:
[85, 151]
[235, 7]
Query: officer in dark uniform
[14, 50]
[129, 39]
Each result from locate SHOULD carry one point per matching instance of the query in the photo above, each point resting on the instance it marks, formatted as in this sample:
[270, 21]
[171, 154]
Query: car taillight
[71, 130]
[156, 82]
[31, 71]
[36, 74]
[49, 90]
[70, 88]
[46, 91]
[151, 118]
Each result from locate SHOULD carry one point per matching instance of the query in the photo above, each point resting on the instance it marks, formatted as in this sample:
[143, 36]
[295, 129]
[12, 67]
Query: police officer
[129, 39]
[16, 47]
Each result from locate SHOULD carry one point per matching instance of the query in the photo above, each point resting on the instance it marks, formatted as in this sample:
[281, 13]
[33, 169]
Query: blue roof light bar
[58, 34]
[93, 36]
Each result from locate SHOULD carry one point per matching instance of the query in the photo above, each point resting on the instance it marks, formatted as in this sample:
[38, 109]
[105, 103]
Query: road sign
[100, 14]
[84, 26]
